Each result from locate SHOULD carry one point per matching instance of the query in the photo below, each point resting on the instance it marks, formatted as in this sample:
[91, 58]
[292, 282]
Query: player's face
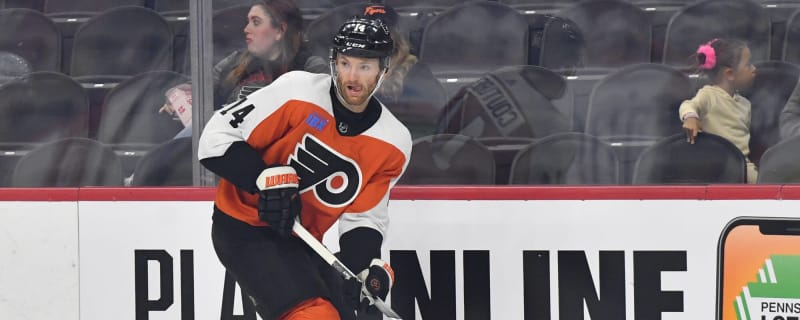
[357, 78]
[261, 33]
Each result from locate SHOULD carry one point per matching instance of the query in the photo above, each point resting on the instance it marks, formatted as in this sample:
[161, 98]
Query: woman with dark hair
[274, 38]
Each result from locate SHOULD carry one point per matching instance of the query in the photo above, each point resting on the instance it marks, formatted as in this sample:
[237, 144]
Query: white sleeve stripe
[376, 218]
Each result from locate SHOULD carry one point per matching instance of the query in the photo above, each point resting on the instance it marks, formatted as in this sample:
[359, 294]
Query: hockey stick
[331, 260]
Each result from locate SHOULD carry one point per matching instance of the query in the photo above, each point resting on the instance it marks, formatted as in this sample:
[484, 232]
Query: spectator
[179, 103]
[790, 117]
[408, 88]
[718, 108]
[274, 46]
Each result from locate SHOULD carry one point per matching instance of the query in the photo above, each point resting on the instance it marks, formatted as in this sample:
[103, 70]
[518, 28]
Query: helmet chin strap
[335, 76]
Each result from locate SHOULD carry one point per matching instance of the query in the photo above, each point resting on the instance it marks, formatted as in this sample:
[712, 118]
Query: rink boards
[458, 253]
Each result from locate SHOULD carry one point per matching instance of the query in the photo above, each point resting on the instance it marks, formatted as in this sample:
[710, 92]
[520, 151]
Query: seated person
[409, 90]
[274, 38]
[790, 117]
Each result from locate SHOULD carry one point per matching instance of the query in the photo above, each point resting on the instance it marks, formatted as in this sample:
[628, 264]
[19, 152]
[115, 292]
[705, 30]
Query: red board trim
[712, 192]
[39, 194]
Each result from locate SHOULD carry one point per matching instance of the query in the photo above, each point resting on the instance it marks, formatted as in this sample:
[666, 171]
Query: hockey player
[318, 147]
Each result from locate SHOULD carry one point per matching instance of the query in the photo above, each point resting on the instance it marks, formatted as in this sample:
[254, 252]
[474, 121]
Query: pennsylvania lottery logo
[776, 295]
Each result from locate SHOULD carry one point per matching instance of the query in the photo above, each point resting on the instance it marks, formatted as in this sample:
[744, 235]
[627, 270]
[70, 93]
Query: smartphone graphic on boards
[758, 269]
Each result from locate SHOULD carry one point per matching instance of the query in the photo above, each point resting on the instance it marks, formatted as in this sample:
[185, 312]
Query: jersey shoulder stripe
[295, 85]
[390, 130]
[237, 121]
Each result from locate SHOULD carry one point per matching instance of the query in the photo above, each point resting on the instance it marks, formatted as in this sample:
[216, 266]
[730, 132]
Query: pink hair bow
[711, 55]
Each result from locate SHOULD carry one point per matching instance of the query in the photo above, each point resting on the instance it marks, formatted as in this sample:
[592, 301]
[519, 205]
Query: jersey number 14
[238, 114]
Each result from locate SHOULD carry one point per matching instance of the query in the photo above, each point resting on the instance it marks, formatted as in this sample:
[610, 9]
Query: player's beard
[355, 93]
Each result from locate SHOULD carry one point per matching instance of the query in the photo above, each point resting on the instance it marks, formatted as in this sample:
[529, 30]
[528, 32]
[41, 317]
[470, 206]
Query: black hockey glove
[371, 283]
[376, 281]
[357, 308]
[279, 199]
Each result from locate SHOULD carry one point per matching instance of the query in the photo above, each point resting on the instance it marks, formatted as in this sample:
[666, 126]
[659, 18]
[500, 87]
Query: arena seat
[774, 83]
[169, 164]
[566, 158]
[34, 37]
[449, 159]
[71, 162]
[672, 160]
[781, 163]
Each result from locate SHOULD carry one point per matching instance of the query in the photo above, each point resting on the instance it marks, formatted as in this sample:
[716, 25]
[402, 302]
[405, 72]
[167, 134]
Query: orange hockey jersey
[291, 122]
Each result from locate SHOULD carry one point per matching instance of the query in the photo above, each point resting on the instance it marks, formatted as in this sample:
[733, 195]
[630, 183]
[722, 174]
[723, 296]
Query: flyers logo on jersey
[334, 178]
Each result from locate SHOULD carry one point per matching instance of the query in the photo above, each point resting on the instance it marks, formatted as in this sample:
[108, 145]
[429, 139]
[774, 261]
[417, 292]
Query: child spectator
[717, 108]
